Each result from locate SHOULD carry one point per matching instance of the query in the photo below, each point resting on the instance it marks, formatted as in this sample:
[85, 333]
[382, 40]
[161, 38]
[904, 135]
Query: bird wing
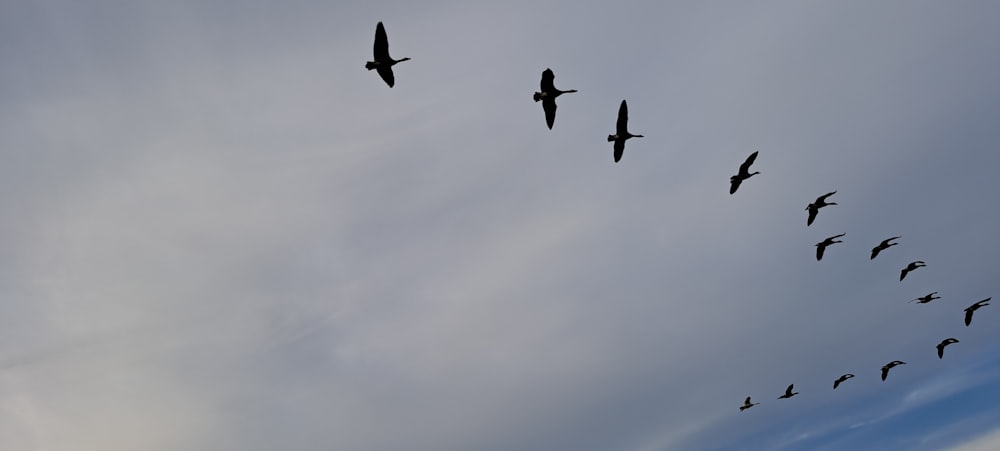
[822, 199]
[747, 401]
[734, 183]
[885, 372]
[788, 391]
[837, 382]
[385, 71]
[745, 167]
[622, 126]
[875, 251]
[812, 215]
[547, 84]
[549, 105]
[968, 316]
[940, 348]
[902, 274]
[619, 149]
[381, 48]
[819, 251]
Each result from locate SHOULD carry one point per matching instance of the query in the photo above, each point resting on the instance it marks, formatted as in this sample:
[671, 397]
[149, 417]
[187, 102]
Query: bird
[941, 346]
[821, 246]
[735, 180]
[888, 366]
[840, 379]
[548, 96]
[383, 62]
[973, 308]
[885, 244]
[788, 392]
[747, 404]
[910, 267]
[621, 132]
[926, 298]
[814, 207]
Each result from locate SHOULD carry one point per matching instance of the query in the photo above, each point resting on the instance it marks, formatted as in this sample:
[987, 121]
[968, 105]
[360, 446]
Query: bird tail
[611, 138]
[538, 96]
[370, 65]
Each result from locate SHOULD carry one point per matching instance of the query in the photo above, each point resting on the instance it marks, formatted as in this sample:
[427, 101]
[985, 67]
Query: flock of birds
[813, 209]
[547, 95]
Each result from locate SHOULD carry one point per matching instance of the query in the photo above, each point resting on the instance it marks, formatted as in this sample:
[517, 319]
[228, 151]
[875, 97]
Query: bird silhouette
[383, 62]
[788, 392]
[548, 96]
[943, 344]
[926, 298]
[814, 207]
[885, 244]
[743, 174]
[747, 404]
[972, 308]
[888, 366]
[821, 246]
[910, 267]
[621, 132]
[840, 379]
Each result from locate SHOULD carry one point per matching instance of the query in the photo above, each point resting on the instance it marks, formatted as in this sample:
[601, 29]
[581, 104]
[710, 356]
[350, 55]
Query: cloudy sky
[219, 231]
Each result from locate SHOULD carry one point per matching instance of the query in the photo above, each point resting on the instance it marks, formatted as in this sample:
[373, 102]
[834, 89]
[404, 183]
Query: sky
[219, 231]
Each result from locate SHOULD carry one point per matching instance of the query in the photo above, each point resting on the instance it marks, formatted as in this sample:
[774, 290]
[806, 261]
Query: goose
[926, 298]
[747, 404]
[548, 96]
[840, 379]
[943, 344]
[814, 207]
[821, 246]
[621, 132]
[973, 308]
[788, 392]
[888, 366]
[885, 244]
[383, 62]
[744, 173]
[910, 267]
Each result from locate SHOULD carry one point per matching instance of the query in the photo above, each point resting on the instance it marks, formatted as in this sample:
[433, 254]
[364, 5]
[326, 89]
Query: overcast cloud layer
[220, 231]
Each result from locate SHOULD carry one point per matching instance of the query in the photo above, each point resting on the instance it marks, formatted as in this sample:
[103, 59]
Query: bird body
[548, 95]
[383, 62]
[743, 174]
[889, 366]
[972, 308]
[621, 132]
[747, 404]
[840, 379]
[821, 246]
[910, 267]
[943, 344]
[885, 244]
[926, 298]
[788, 392]
[814, 207]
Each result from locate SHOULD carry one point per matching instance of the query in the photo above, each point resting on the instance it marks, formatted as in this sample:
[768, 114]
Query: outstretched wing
[745, 167]
[734, 183]
[385, 71]
[547, 84]
[619, 148]
[875, 251]
[940, 348]
[819, 251]
[968, 316]
[812, 216]
[822, 199]
[549, 105]
[381, 48]
[622, 127]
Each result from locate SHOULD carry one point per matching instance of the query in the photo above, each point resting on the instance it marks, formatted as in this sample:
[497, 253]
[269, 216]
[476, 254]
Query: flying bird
[747, 404]
[888, 366]
[973, 308]
[910, 267]
[383, 62]
[926, 298]
[814, 207]
[548, 96]
[744, 173]
[821, 246]
[840, 379]
[621, 132]
[943, 344]
[788, 392]
[885, 244]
